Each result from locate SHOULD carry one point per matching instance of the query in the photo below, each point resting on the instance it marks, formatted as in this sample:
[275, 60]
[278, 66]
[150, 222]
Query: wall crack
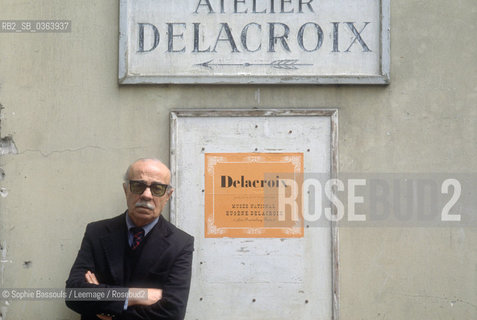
[47, 154]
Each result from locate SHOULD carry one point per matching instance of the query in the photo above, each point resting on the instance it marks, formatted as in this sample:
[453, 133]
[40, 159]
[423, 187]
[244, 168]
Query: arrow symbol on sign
[287, 64]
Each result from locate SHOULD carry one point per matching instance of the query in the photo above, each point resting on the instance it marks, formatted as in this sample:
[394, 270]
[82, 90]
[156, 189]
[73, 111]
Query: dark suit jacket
[165, 263]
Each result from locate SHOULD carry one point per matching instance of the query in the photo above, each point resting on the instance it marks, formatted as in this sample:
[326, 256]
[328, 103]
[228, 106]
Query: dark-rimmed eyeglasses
[157, 189]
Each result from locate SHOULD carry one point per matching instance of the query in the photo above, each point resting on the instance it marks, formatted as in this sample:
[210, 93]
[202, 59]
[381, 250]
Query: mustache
[144, 204]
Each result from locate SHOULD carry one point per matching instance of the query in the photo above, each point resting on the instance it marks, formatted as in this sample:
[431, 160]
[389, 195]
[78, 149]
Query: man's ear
[169, 193]
[124, 188]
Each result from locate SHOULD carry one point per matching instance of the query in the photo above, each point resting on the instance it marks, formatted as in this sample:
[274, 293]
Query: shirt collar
[147, 228]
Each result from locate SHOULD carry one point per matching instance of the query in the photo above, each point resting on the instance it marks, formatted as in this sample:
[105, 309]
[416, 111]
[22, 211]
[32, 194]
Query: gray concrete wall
[76, 130]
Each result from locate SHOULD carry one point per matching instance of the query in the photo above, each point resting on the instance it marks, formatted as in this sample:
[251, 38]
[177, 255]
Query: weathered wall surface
[76, 130]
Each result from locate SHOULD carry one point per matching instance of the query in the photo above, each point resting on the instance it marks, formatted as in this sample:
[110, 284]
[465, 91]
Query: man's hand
[153, 295]
[91, 278]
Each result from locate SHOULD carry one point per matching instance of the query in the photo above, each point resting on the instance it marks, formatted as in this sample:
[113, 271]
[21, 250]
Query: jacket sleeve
[76, 281]
[172, 305]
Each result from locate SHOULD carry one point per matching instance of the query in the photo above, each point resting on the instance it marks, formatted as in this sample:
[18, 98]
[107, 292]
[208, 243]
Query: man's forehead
[149, 169]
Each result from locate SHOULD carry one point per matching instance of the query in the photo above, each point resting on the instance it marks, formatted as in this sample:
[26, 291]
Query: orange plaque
[253, 195]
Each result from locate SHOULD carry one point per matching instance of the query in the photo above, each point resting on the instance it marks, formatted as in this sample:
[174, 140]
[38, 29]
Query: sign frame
[128, 76]
[332, 114]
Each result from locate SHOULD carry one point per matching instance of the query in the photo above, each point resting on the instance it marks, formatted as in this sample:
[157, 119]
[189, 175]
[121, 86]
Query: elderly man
[137, 251]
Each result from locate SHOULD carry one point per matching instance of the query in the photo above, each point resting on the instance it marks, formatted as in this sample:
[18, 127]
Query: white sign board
[254, 41]
[253, 277]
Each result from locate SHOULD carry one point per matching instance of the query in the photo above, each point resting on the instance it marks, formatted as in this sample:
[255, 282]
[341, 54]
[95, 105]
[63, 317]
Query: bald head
[148, 161]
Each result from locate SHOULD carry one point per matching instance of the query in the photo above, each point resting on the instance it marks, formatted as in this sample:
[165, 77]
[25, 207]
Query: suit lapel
[113, 244]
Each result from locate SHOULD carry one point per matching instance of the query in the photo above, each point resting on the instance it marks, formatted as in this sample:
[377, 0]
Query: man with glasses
[137, 256]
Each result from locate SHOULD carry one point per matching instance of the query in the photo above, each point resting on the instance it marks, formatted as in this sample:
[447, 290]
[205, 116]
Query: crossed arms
[167, 290]
[153, 295]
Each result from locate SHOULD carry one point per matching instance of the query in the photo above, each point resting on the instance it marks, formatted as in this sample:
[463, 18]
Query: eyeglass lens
[157, 189]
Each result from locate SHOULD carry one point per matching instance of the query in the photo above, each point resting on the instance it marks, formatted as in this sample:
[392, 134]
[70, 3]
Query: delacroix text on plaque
[265, 40]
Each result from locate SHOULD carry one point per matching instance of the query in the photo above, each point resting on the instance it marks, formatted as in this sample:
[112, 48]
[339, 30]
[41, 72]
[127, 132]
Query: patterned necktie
[138, 235]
